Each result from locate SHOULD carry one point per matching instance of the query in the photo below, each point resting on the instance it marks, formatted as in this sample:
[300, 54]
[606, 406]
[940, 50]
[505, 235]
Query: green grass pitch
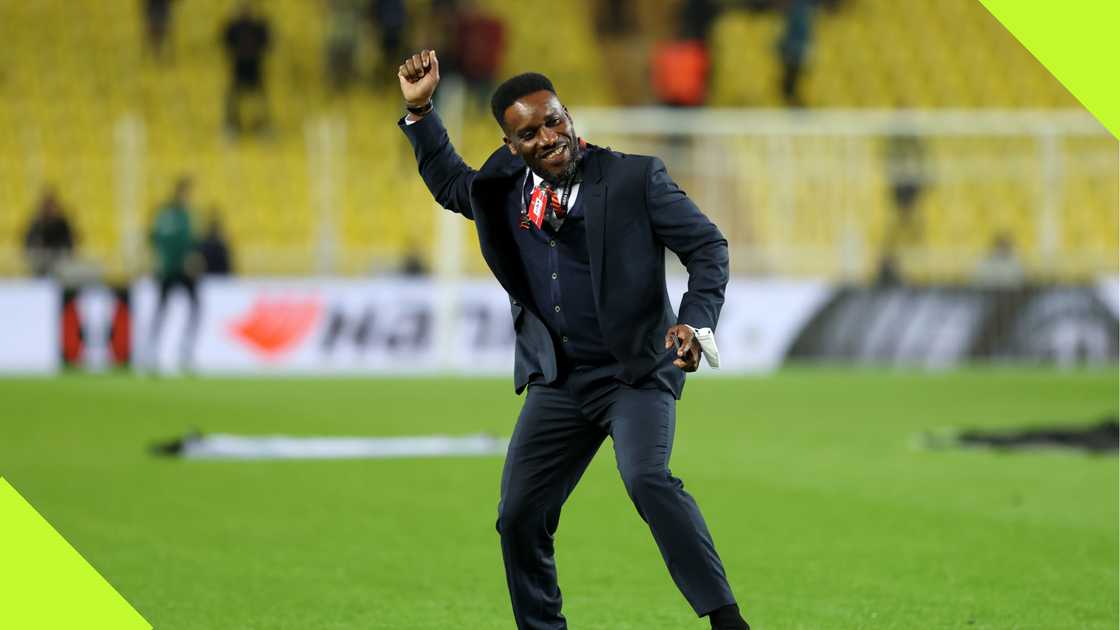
[826, 516]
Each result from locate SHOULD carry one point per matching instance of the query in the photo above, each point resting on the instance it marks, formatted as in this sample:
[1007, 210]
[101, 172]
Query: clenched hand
[688, 354]
[419, 76]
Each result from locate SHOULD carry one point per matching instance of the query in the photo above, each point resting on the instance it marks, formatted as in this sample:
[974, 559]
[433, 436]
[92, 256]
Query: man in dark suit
[576, 235]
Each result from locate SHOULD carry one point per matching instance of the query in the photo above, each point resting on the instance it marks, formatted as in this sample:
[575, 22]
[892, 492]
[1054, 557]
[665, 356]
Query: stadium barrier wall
[389, 326]
[943, 327]
[30, 342]
[328, 326]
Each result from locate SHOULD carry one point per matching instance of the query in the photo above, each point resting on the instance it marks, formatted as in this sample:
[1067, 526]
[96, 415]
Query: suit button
[564, 339]
[552, 243]
[554, 276]
[556, 308]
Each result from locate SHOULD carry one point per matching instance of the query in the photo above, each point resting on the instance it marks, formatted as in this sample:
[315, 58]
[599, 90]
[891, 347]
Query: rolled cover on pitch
[226, 446]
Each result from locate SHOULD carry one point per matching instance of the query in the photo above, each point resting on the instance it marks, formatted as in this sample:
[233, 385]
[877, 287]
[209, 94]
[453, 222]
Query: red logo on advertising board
[276, 325]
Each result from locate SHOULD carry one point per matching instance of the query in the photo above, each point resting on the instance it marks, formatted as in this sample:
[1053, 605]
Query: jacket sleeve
[446, 175]
[696, 241]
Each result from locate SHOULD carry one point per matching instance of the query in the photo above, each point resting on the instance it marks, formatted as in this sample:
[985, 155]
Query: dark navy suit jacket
[633, 211]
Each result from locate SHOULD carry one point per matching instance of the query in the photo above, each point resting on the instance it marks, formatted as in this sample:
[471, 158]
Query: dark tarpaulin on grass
[1099, 437]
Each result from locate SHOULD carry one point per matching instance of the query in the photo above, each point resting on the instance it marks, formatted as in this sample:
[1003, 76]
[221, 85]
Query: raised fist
[419, 76]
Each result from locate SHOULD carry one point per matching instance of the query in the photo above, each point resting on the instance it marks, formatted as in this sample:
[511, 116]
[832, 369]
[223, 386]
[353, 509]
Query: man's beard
[570, 171]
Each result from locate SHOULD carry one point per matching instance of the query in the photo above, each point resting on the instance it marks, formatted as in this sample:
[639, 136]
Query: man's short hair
[513, 89]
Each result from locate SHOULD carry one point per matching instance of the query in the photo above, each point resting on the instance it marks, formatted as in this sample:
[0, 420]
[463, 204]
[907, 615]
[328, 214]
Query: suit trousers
[560, 428]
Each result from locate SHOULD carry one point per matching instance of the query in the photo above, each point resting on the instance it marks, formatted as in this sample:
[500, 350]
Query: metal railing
[850, 195]
[939, 195]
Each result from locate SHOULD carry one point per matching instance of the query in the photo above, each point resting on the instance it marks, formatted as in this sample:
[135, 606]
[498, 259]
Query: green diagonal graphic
[1077, 42]
[45, 584]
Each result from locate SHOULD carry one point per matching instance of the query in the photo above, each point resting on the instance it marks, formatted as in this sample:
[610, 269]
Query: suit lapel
[594, 193]
[490, 198]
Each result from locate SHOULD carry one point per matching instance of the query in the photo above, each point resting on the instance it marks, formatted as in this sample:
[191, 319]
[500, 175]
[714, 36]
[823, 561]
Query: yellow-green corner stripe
[45, 584]
[1077, 41]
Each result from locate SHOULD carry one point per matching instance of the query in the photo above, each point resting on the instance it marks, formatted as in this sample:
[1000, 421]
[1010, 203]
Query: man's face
[539, 129]
[183, 193]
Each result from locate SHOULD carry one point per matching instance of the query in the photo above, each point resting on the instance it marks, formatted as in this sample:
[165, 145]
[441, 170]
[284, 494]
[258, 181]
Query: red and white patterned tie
[544, 198]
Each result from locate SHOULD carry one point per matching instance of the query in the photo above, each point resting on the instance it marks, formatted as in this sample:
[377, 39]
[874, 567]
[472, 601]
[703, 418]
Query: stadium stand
[88, 111]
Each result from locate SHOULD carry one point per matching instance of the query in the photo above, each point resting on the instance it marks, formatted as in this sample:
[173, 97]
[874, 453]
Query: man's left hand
[688, 355]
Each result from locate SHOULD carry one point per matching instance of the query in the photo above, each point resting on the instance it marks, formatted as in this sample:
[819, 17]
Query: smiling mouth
[554, 153]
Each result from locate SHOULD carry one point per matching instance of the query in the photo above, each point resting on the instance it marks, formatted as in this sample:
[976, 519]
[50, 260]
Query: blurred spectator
[389, 19]
[760, 6]
[49, 240]
[437, 32]
[157, 21]
[343, 23]
[793, 48]
[177, 266]
[682, 66]
[696, 19]
[413, 263]
[620, 38]
[615, 17]
[1001, 267]
[888, 274]
[680, 73]
[906, 170]
[905, 162]
[479, 46]
[246, 39]
[214, 248]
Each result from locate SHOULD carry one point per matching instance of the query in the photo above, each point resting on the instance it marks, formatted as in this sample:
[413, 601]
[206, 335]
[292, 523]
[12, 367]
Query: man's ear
[571, 122]
[509, 145]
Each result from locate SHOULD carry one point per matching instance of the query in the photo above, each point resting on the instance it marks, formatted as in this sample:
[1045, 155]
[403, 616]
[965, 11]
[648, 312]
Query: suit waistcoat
[558, 270]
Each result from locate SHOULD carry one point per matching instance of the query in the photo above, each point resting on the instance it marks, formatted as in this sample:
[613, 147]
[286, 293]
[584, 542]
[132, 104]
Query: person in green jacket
[174, 244]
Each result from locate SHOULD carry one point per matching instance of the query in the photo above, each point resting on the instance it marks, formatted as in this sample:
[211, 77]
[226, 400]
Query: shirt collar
[536, 181]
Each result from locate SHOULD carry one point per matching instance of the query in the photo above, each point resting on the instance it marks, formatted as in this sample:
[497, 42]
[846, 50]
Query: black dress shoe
[728, 618]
